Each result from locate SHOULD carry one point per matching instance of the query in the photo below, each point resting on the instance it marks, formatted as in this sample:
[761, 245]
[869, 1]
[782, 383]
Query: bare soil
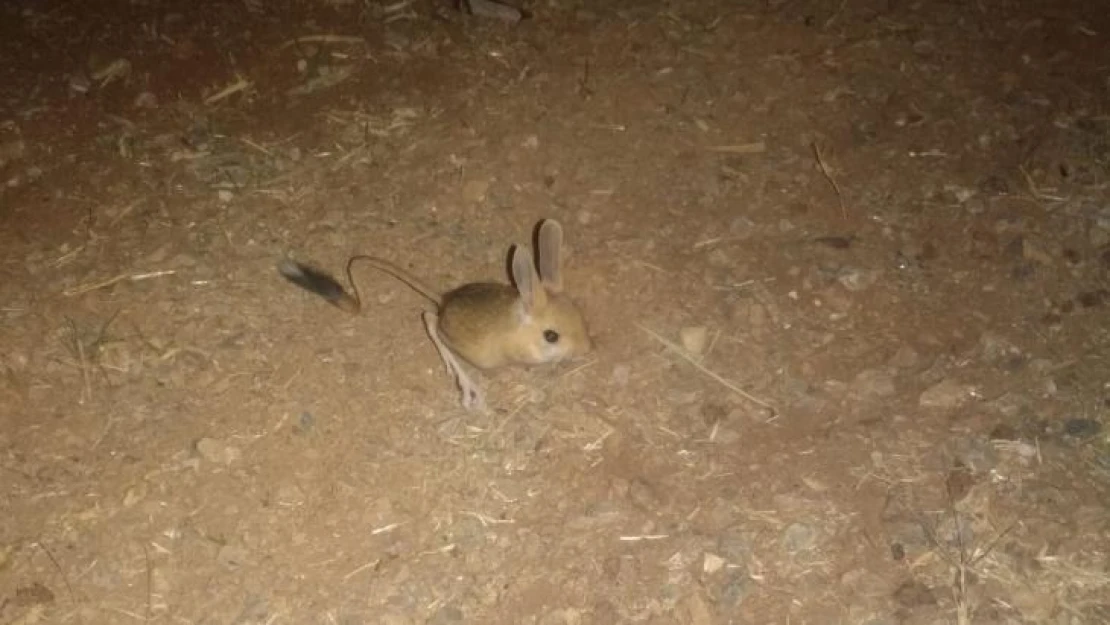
[889, 221]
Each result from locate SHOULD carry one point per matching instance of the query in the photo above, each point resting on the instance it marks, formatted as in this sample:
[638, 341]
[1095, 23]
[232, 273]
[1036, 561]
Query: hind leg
[471, 393]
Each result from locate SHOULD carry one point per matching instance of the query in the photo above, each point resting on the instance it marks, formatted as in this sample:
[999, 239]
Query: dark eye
[551, 336]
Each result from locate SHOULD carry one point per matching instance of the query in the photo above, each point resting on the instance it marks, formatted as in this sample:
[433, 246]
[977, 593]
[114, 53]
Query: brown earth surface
[889, 221]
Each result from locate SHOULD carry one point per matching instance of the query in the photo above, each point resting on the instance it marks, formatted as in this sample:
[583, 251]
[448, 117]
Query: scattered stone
[183, 260]
[1031, 252]
[873, 383]
[495, 10]
[856, 280]
[644, 496]
[962, 194]
[134, 495]
[697, 610]
[475, 191]
[694, 339]
[799, 537]
[562, 616]
[306, 422]
[1082, 428]
[217, 452]
[720, 258]
[732, 545]
[620, 375]
[997, 349]
[905, 358]
[946, 394]
[289, 495]
[712, 563]
[146, 100]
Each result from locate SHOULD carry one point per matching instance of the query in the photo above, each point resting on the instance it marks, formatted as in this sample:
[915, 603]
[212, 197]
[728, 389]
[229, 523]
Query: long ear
[532, 294]
[550, 252]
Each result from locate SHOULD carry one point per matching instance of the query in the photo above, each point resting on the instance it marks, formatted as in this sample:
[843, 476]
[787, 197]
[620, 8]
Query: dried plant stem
[704, 370]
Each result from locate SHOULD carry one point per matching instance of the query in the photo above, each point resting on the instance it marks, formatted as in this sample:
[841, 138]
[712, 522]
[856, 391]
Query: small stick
[700, 367]
[362, 568]
[241, 84]
[84, 367]
[325, 38]
[758, 147]
[1034, 191]
[828, 176]
[149, 584]
[120, 278]
[72, 597]
[125, 211]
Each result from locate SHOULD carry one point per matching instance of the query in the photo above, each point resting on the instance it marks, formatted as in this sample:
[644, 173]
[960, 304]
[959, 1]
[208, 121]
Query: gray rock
[873, 384]
[946, 394]
[799, 537]
[1082, 428]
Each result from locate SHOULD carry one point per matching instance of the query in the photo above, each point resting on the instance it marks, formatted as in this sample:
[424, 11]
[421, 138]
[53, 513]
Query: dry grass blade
[323, 39]
[65, 578]
[828, 176]
[120, 278]
[758, 147]
[711, 374]
[240, 84]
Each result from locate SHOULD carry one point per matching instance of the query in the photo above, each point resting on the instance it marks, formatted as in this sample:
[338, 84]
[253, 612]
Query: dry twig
[136, 277]
[828, 176]
[712, 374]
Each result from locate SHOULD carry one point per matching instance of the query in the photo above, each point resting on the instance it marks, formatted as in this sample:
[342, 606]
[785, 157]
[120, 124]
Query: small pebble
[905, 358]
[857, 280]
[799, 537]
[945, 394]
[712, 563]
[217, 452]
[306, 422]
[694, 339]
[620, 375]
[873, 383]
[1082, 428]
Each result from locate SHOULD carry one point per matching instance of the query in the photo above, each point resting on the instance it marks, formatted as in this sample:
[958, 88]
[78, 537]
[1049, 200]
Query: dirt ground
[846, 265]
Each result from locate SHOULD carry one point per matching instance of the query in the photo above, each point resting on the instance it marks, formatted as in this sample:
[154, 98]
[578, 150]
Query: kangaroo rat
[487, 324]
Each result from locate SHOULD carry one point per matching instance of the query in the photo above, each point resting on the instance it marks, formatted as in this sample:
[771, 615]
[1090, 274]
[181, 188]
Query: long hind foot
[472, 398]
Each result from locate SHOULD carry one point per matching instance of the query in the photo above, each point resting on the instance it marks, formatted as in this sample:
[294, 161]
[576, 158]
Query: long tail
[318, 282]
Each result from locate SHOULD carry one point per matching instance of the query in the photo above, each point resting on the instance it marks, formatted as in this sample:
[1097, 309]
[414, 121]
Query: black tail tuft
[313, 280]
